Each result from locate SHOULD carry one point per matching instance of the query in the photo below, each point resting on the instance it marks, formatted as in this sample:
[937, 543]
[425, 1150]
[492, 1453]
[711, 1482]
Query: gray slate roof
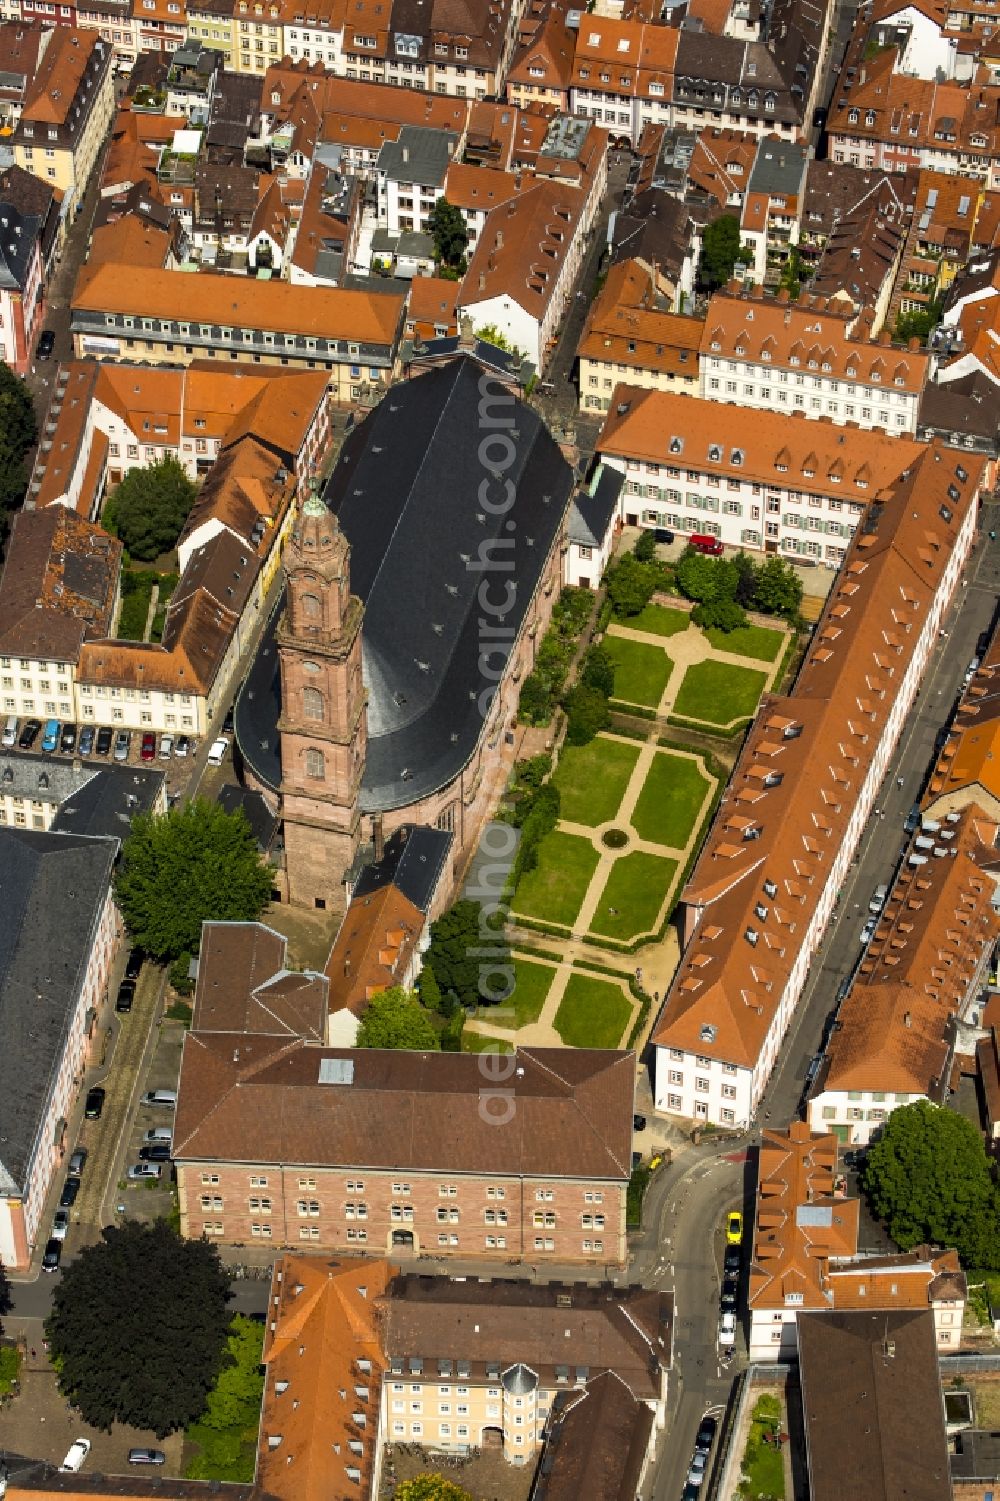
[52, 889]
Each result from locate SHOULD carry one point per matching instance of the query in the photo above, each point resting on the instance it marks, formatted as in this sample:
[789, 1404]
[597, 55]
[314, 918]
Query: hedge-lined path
[690, 648]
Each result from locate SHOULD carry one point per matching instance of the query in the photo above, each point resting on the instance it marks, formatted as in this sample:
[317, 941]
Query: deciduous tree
[779, 589]
[929, 1179]
[18, 431]
[467, 954]
[719, 248]
[430, 1488]
[138, 1327]
[450, 233]
[150, 506]
[395, 1019]
[191, 865]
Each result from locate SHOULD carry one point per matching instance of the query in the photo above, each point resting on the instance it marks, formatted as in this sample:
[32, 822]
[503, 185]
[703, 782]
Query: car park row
[94, 740]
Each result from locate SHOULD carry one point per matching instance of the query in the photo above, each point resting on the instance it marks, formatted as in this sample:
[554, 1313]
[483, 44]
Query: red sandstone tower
[323, 724]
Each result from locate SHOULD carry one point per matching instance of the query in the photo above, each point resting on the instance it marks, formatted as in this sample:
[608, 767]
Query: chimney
[482, 281]
[907, 1018]
[499, 244]
[406, 153]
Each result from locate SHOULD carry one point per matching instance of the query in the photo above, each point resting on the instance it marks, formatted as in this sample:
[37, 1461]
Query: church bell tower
[323, 723]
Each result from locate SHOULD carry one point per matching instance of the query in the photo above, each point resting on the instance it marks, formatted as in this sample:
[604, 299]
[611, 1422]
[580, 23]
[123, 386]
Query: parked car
[46, 344]
[664, 534]
[147, 750]
[103, 743]
[733, 1261]
[727, 1300]
[638, 1123]
[134, 963]
[86, 746]
[67, 740]
[10, 731]
[29, 734]
[734, 1228]
[77, 1161]
[60, 1224]
[868, 931]
[183, 746]
[971, 671]
[696, 1474]
[229, 723]
[912, 823]
[706, 1434]
[78, 1451]
[710, 546]
[167, 1098]
[123, 741]
[146, 1457]
[125, 997]
[50, 737]
[160, 1133]
[68, 1196]
[166, 747]
[878, 898]
[158, 1151]
[727, 1329]
[52, 1255]
[217, 754]
[95, 1103]
[142, 1170]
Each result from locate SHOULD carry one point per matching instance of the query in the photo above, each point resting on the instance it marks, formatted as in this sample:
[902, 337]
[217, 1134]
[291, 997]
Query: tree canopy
[430, 1488]
[191, 865]
[18, 431]
[395, 1019]
[451, 236]
[720, 247]
[724, 587]
[631, 585]
[490, 334]
[929, 1179]
[138, 1327]
[225, 1432]
[149, 508]
[467, 962]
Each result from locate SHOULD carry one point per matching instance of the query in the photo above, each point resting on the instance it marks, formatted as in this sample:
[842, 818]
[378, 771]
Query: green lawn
[478, 1042]
[636, 889]
[553, 891]
[659, 620]
[592, 1014]
[10, 1366]
[763, 1466]
[748, 641]
[718, 693]
[592, 779]
[641, 671]
[532, 983]
[670, 801]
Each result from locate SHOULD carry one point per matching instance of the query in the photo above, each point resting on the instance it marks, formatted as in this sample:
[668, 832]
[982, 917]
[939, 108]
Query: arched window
[315, 764]
[312, 703]
[311, 606]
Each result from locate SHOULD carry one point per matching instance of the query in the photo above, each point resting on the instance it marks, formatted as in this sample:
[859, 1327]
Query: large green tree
[451, 236]
[631, 585]
[138, 1327]
[719, 248]
[469, 955]
[778, 589]
[191, 865]
[395, 1018]
[225, 1434]
[929, 1179]
[18, 431]
[430, 1488]
[150, 506]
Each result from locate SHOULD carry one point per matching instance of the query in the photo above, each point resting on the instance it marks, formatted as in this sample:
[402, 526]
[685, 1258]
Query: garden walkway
[691, 647]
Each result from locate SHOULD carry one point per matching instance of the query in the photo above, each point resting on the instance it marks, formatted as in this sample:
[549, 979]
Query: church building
[418, 588]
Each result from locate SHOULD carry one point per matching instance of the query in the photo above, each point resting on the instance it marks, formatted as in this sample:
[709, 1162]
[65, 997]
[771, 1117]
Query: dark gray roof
[103, 800]
[960, 409]
[778, 167]
[976, 276]
[976, 1456]
[404, 491]
[18, 236]
[420, 155]
[255, 810]
[52, 890]
[593, 510]
[412, 861]
[656, 228]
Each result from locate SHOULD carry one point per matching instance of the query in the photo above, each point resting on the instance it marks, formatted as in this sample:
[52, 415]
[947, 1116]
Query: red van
[710, 545]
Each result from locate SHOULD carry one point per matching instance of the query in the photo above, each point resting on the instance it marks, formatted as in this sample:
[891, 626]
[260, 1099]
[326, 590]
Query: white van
[10, 730]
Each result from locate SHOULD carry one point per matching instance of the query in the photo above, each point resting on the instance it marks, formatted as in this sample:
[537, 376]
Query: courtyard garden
[719, 693]
[641, 671]
[592, 1013]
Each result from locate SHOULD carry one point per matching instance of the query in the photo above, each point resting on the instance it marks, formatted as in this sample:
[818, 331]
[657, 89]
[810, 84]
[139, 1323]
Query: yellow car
[734, 1228]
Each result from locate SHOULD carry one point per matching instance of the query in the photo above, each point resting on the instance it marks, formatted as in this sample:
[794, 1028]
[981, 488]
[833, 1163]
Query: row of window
[675, 1103]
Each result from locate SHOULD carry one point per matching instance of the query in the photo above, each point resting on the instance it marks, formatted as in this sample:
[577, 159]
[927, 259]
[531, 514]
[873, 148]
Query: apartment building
[774, 355]
[522, 272]
[66, 113]
[213, 24]
[415, 1154]
[59, 589]
[21, 46]
[410, 177]
[542, 71]
[58, 919]
[805, 1256]
[445, 1365]
[887, 120]
[623, 75]
[627, 337]
[939, 241]
[29, 230]
[144, 313]
[762, 892]
[755, 479]
[918, 983]
[772, 210]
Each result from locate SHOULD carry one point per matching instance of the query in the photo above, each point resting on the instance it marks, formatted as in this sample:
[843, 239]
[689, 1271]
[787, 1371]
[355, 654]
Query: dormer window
[676, 445]
[770, 889]
[736, 457]
[715, 453]
[761, 911]
[752, 937]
